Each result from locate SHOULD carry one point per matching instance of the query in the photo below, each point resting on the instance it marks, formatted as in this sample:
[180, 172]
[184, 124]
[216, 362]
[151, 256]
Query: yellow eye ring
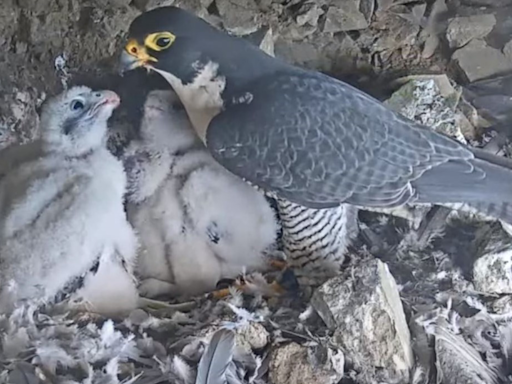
[159, 41]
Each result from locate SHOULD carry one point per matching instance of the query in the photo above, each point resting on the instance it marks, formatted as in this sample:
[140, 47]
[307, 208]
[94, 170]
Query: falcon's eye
[159, 41]
[76, 105]
[163, 42]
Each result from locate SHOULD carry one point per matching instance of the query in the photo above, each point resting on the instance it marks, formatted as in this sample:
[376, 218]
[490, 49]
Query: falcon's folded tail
[484, 184]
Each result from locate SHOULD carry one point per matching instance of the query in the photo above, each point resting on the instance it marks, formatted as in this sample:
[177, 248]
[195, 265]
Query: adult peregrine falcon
[61, 211]
[309, 138]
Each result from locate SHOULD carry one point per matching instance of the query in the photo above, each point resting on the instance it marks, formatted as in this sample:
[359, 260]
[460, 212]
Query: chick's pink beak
[105, 98]
[111, 98]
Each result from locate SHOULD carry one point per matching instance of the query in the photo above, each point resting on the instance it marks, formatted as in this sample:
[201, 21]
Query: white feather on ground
[197, 223]
[49, 347]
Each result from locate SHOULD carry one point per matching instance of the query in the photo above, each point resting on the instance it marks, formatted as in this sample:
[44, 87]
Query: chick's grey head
[164, 118]
[75, 121]
[162, 100]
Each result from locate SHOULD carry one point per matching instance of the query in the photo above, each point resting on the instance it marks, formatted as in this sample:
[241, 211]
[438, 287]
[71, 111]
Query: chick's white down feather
[62, 210]
[197, 223]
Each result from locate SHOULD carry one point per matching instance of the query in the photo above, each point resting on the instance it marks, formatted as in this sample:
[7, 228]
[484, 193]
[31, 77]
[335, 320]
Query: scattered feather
[215, 360]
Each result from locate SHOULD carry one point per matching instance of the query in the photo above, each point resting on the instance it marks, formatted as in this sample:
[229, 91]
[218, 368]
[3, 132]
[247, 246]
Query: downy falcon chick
[61, 211]
[302, 135]
[197, 223]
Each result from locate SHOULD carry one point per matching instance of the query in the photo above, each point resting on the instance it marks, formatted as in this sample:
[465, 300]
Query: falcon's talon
[278, 264]
[271, 290]
[219, 294]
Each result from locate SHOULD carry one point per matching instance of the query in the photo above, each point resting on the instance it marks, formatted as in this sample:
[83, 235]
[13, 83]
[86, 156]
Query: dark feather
[492, 98]
[215, 360]
[23, 373]
[506, 349]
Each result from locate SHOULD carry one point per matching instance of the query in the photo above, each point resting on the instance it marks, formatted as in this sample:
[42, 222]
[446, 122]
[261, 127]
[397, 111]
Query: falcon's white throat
[201, 98]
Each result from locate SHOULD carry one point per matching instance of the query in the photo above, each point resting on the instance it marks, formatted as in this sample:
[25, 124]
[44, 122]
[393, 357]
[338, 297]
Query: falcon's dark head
[177, 42]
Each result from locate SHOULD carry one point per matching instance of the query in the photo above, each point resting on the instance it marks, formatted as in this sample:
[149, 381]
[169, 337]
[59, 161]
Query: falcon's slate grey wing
[319, 142]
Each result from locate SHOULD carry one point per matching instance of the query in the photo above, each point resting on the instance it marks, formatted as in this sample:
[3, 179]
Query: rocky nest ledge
[426, 297]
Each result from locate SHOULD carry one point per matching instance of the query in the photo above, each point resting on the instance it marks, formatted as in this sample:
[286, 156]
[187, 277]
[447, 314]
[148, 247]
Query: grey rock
[507, 50]
[502, 305]
[112, 3]
[303, 53]
[461, 30]
[346, 15]
[430, 46]
[8, 13]
[492, 273]
[479, 61]
[19, 122]
[239, 16]
[487, 3]
[430, 100]
[302, 371]
[151, 4]
[364, 309]
[384, 5]
[309, 13]
[292, 32]
[41, 6]
[433, 26]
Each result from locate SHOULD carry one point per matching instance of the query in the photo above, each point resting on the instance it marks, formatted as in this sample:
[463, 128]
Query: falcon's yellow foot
[278, 264]
[270, 290]
[276, 260]
[257, 285]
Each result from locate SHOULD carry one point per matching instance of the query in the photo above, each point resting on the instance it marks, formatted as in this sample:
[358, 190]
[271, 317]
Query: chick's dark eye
[163, 42]
[77, 105]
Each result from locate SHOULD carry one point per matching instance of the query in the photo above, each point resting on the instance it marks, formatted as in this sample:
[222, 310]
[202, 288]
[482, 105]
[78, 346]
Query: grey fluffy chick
[197, 223]
[61, 211]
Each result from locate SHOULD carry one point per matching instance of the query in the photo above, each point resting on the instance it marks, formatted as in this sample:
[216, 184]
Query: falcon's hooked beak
[134, 55]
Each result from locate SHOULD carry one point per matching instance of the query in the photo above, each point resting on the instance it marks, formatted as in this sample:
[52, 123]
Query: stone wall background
[48, 43]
